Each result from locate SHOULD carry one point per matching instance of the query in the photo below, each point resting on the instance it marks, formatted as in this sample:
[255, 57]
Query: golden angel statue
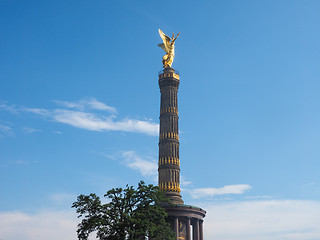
[168, 47]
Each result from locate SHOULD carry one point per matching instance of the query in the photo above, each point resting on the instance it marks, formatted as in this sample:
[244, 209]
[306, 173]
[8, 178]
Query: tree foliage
[130, 214]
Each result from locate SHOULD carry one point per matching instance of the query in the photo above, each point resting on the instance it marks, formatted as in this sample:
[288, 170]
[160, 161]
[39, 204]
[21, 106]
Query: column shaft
[196, 229]
[176, 226]
[169, 161]
[188, 229]
[201, 229]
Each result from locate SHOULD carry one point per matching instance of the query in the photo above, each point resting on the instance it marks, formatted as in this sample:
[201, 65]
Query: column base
[175, 199]
[187, 215]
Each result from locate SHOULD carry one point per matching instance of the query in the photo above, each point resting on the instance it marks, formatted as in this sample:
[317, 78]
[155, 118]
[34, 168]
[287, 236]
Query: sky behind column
[79, 111]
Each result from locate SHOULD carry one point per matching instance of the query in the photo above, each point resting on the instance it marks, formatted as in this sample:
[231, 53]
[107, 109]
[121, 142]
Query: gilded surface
[169, 110]
[169, 135]
[164, 75]
[176, 76]
[182, 230]
[168, 47]
[170, 186]
[169, 160]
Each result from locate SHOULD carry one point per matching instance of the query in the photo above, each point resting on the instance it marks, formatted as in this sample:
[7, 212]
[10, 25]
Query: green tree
[130, 214]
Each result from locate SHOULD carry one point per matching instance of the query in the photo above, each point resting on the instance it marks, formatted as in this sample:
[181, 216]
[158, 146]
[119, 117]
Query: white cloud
[263, 220]
[30, 130]
[148, 168]
[184, 182]
[249, 220]
[49, 225]
[6, 107]
[210, 192]
[90, 120]
[14, 163]
[95, 104]
[38, 111]
[89, 103]
[20, 162]
[63, 199]
[5, 130]
[258, 197]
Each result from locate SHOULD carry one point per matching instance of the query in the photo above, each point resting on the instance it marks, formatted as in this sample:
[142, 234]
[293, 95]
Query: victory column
[180, 216]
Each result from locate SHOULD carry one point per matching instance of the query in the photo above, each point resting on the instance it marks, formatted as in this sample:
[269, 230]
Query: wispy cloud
[14, 163]
[184, 182]
[38, 111]
[4, 106]
[49, 225]
[259, 197]
[5, 130]
[89, 103]
[92, 121]
[248, 220]
[211, 192]
[20, 162]
[63, 198]
[30, 130]
[146, 166]
[263, 220]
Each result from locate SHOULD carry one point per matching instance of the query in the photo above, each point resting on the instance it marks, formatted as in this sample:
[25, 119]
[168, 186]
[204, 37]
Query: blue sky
[79, 111]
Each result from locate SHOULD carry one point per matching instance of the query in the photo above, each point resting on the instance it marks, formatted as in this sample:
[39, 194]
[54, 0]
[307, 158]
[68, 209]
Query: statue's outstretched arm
[175, 37]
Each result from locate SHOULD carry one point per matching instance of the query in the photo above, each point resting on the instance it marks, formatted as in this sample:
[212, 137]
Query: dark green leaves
[131, 214]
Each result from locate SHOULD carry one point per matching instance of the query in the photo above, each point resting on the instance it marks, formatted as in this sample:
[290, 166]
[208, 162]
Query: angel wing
[163, 47]
[166, 45]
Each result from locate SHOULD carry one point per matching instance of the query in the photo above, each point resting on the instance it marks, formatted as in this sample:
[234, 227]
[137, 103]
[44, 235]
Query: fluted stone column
[176, 226]
[201, 229]
[196, 229]
[169, 161]
[188, 229]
